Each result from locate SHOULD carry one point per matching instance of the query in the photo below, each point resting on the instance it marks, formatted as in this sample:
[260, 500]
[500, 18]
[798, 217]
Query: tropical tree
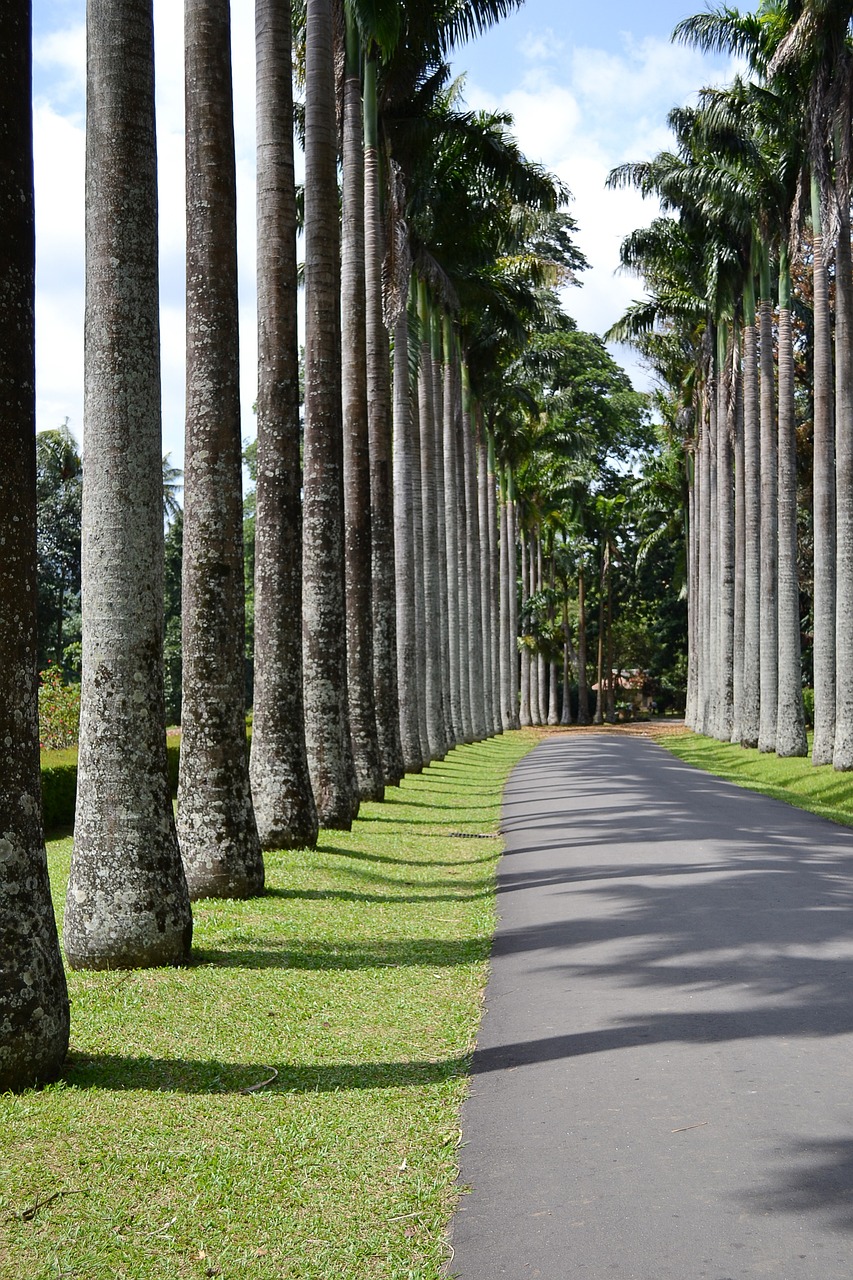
[127, 902]
[284, 805]
[216, 821]
[324, 620]
[33, 995]
[59, 495]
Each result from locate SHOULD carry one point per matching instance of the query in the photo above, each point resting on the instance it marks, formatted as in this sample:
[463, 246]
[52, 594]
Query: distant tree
[59, 495]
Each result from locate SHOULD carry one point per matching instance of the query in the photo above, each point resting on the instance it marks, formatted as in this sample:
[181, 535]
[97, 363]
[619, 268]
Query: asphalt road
[663, 1085]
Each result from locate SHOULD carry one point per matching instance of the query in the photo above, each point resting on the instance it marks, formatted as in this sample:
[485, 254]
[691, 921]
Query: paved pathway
[663, 1088]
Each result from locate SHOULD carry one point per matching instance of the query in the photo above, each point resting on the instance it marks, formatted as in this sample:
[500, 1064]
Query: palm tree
[281, 786]
[356, 456]
[127, 903]
[33, 995]
[324, 628]
[216, 820]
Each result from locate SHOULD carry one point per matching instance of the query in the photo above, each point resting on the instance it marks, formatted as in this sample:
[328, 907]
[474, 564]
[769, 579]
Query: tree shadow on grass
[336, 955]
[109, 1071]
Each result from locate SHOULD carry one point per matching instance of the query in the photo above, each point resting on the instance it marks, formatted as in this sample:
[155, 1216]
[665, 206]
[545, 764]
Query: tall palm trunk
[127, 903]
[843, 753]
[281, 787]
[714, 689]
[440, 520]
[790, 721]
[462, 557]
[384, 607]
[494, 581]
[404, 553]
[824, 506]
[216, 821]
[451, 516]
[690, 714]
[487, 616]
[526, 700]
[430, 538]
[507, 584]
[33, 994]
[512, 538]
[739, 551]
[327, 729]
[769, 681]
[725, 524]
[752, 602]
[418, 547]
[474, 566]
[541, 664]
[601, 694]
[533, 583]
[703, 538]
[583, 689]
[566, 711]
[357, 509]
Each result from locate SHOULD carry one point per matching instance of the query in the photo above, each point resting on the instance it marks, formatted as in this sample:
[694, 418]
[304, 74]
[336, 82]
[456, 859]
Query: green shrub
[59, 710]
[808, 706]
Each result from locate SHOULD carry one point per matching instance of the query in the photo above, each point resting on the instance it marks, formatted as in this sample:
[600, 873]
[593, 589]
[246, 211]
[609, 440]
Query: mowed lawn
[797, 781]
[356, 983]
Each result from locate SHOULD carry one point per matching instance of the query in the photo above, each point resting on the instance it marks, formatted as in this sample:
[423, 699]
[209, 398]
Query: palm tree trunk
[486, 614]
[566, 712]
[462, 557]
[725, 524]
[703, 616]
[600, 695]
[769, 682]
[451, 514]
[281, 786]
[494, 581]
[127, 903]
[507, 584]
[474, 568]
[418, 546]
[790, 720]
[512, 537]
[750, 708]
[33, 993]
[404, 553]
[583, 689]
[216, 820]
[824, 506]
[740, 557]
[430, 537]
[541, 664]
[843, 752]
[714, 432]
[441, 524]
[356, 449]
[384, 598]
[327, 728]
[526, 719]
[690, 713]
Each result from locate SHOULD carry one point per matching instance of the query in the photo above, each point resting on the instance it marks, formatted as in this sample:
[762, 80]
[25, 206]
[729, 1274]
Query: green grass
[358, 978]
[797, 781]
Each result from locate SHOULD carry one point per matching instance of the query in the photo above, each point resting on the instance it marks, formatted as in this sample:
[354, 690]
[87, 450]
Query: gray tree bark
[327, 727]
[404, 555]
[386, 698]
[127, 904]
[216, 821]
[281, 786]
[769, 683]
[824, 507]
[750, 708]
[33, 994]
[429, 539]
[790, 720]
[451, 516]
[526, 713]
[357, 509]
[843, 749]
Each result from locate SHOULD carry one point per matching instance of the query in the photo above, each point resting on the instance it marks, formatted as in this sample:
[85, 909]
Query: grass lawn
[821, 790]
[357, 978]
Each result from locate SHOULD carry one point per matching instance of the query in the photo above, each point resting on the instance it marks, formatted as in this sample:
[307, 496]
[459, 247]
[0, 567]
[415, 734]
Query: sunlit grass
[821, 790]
[357, 978]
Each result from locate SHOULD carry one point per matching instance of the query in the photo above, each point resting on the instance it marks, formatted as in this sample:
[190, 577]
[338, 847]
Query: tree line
[429, 453]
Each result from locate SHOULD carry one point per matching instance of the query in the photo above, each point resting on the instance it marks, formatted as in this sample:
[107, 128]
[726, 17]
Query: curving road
[663, 1085]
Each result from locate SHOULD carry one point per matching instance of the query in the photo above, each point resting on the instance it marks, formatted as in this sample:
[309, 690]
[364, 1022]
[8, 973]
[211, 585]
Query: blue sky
[589, 86]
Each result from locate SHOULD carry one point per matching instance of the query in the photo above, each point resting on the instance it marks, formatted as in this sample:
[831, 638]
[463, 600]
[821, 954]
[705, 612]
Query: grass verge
[819, 789]
[357, 978]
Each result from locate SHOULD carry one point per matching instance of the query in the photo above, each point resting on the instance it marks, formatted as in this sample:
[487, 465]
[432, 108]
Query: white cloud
[599, 110]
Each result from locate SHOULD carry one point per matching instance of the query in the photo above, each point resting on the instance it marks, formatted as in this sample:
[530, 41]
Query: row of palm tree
[379, 645]
[755, 189]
